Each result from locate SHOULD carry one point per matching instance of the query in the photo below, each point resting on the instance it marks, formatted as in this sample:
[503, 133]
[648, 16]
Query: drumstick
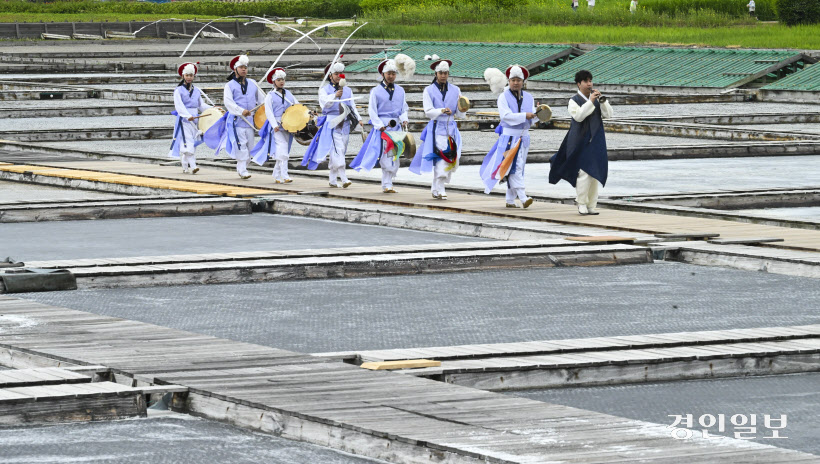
[249, 123]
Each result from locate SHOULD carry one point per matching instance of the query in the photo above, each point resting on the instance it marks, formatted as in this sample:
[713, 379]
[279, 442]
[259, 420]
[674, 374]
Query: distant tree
[794, 12]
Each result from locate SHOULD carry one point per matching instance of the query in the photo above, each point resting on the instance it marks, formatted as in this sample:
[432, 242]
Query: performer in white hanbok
[440, 147]
[388, 113]
[189, 101]
[274, 141]
[507, 158]
[235, 132]
[339, 117]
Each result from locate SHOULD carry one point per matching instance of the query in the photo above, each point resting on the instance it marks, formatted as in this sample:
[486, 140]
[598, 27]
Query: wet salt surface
[811, 213]
[661, 176]
[490, 306]
[51, 240]
[795, 396]
[78, 103]
[167, 439]
[472, 141]
[21, 191]
[112, 122]
[813, 128]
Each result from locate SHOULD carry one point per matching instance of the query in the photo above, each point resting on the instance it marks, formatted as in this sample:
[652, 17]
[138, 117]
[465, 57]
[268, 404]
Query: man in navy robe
[582, 158]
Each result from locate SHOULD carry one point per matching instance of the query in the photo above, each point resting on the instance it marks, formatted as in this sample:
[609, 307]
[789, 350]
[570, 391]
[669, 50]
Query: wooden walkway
[379, 414]
[613, 360]
[50, 394]
[211, 180]
[574, 345]
[342, 262]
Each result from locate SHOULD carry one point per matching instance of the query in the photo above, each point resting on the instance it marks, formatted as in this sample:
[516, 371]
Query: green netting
[469, 59]
[667, 66]
[806, 79]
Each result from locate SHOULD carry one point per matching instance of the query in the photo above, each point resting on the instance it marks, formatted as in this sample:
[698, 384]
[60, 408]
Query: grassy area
[98, 10]
[85, 17]
[756, 36]
[693, 13]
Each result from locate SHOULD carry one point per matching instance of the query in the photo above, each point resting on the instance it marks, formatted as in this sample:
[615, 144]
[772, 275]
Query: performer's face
[516, 84]
[241, 71]
[585, 86]
[441, 76]
[335, 77]
[390, 77]
[279, 83]
[188, 78]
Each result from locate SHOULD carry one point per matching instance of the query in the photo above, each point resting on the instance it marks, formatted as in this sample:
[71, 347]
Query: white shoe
[527, 202]
[592, 211]
[347, 184]
[245, 175]
[186, 171]
[582, 209]
[512, 205]
[334, 185]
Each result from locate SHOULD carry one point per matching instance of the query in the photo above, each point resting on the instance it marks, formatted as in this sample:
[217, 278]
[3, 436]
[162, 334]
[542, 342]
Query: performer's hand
[404, 125]
[246, 113]
[339, 93]
[191, 118]
[276, 129]
[530, 115]
[382, 128]
[595, 95]
[446, 111]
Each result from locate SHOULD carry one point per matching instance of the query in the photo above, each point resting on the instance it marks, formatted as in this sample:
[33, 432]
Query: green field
[98, 17]
[757, 36]
[719, 23]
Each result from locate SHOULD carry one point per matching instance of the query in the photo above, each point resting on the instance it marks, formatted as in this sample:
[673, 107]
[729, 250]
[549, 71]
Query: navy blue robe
[584, 147]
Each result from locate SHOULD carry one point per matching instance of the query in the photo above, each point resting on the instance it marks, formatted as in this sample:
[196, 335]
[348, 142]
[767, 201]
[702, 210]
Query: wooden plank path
[416, 197]
[134, 207]
[341, 262]
[613, 360]
[661, 340]
[48, 376]
[378, 414]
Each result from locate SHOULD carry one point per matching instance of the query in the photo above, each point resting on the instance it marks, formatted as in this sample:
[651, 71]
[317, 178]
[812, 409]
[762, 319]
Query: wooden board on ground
[605, 239]
[406, 364]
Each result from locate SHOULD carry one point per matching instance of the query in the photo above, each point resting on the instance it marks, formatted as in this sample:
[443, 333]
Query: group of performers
[581, 159]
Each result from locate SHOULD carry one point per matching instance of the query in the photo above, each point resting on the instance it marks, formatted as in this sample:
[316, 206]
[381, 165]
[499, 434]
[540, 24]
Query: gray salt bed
[464, 308]
[107, 122]
[796, 396]
[628, 178]
[166, 439]
[811, 128]
[472, 141]
[115, 238]
[807, 213]
[71, 103]
[20, 191]
[685, 109]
